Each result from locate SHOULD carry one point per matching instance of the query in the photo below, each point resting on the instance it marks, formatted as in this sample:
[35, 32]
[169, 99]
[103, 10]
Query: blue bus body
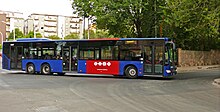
[15, 56]
[56, 65]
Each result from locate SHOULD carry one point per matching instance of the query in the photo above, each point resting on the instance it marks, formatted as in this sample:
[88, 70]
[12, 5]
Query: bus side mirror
[174, 46]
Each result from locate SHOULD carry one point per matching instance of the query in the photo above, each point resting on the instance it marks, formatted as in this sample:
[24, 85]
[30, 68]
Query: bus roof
[32, 39]
[74, 40]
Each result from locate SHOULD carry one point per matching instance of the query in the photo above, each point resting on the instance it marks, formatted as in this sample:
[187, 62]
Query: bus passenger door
[66, 58]
[16, 57]
[153, 56]
[148, 59]
[69, 55]
[158, 59]
[74, 60]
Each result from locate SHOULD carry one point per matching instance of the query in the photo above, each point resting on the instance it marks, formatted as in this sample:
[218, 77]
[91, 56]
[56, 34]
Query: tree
[72, 36]
[122, 18]
[98, 34]
[18, 34]
[194, 23]
[54, 37]
[31, 35]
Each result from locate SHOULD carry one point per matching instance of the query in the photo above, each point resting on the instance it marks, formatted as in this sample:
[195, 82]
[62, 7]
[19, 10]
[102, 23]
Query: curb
[195, 68]
[217, 82]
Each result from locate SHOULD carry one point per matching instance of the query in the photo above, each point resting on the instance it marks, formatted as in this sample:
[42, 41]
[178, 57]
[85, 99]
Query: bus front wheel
[131, 72]
[45, 69]
[30, 68]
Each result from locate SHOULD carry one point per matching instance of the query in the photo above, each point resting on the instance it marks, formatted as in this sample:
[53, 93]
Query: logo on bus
[102, 63]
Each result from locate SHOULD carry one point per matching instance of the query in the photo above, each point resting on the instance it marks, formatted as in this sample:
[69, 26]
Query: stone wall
[198, 58]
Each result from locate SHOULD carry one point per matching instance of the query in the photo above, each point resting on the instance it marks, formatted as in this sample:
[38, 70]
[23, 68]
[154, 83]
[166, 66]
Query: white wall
[61, 27]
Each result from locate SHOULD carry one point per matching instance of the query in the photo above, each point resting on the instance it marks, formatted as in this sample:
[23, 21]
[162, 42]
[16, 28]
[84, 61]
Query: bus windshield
[170, 54]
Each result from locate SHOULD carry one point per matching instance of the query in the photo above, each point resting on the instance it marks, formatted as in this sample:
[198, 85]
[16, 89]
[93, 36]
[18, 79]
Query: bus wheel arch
[130, 71]
[30, 68]
[45, 68]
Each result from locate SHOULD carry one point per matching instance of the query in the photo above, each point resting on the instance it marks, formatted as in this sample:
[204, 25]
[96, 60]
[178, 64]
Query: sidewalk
[195, 68]
[216, 82]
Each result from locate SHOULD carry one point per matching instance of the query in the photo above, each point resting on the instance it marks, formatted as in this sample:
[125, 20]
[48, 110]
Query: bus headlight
[168, 71]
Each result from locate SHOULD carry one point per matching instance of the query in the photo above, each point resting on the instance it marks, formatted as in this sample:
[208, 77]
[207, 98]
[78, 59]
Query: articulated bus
[130, 57]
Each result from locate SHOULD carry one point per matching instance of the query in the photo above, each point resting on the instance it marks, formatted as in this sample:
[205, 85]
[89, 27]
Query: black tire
[131, 72]
[30, 69]
[61, 74]
[45, 69]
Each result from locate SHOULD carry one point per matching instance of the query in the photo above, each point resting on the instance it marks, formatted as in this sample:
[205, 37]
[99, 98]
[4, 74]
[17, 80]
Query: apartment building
[49, 25]
[45, 24]
[2, 27]
[9, 21]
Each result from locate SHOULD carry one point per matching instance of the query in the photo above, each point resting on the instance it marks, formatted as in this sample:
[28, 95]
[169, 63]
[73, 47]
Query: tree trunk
[138, 28]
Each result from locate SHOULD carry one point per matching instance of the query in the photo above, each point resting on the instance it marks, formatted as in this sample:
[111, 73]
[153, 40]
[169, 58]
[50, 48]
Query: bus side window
[47, 56]
[127, 56]
[27, 55]
[33, 55]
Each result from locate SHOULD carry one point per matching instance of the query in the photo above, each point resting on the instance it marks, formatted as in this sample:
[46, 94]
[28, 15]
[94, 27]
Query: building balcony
[50, 31]
[52, 19]
[74, 21]
[7, 30]
[36, 19]
[50, 25]
[74, 27]
[74, 31]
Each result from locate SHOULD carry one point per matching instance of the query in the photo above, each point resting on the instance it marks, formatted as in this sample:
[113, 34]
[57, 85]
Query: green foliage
[18, 34]
[98, 34]
[193, 23]
[92, 35]
[0, 46]
[31, 35]
[38, 35]
[72, 36]
[54, 37]
[127, 18]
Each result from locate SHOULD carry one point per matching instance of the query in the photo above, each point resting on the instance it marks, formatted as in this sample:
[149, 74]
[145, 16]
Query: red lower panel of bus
[102, 67]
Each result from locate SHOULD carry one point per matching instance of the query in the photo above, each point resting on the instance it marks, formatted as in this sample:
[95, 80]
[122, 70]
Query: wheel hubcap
[30, 69]
[46, 69]
[132, 72]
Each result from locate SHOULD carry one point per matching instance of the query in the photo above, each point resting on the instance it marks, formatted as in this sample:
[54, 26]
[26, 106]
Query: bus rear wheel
[30, 68]
[131, 72]
[45, 69]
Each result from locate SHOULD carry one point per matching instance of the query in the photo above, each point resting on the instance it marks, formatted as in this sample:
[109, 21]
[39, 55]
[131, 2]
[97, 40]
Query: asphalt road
[187, 92]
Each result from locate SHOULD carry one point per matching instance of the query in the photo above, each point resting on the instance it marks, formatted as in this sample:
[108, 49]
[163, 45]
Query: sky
[56, 7]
